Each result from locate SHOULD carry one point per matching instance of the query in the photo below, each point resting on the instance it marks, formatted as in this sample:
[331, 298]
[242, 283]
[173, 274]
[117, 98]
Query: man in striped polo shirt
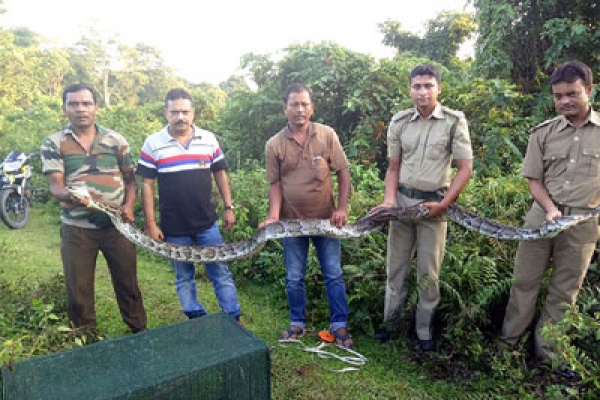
[184, 158]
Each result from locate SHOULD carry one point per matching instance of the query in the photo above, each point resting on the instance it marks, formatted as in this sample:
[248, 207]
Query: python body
[321, 227]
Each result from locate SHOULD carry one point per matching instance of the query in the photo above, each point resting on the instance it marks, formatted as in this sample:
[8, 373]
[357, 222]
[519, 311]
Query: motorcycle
[16, 194]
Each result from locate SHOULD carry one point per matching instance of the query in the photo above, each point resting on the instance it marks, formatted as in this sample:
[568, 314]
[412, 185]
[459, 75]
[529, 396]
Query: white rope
[355, 359]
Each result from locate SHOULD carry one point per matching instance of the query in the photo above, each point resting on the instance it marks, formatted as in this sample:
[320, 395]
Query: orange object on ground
[326, 336]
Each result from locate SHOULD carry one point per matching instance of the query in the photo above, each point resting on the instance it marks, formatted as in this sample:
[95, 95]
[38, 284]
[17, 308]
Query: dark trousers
[79, 250]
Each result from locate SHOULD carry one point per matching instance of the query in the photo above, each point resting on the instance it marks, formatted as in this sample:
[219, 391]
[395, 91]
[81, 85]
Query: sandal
[343, 338]
[291, 333]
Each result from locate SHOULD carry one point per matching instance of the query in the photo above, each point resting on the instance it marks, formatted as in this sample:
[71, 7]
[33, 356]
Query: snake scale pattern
[321, 227]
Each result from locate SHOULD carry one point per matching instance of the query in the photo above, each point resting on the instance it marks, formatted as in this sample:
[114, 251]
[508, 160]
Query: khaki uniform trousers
[570, 252]
[428, 238]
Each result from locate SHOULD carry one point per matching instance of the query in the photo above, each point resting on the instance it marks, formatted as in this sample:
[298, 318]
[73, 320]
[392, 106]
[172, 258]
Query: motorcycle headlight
[13, 166]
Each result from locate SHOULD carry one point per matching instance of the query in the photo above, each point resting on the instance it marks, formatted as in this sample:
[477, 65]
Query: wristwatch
[230, 207]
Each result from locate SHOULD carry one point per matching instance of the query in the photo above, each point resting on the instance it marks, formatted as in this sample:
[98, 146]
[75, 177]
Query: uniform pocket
[438, 144]
[437, 150]
[555, 163]
[591, 161]
[410, 143]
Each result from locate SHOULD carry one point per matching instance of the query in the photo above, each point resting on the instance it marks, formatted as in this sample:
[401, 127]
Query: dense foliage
[523, 40]
[502, 93]
[33, 320]
[442, 40]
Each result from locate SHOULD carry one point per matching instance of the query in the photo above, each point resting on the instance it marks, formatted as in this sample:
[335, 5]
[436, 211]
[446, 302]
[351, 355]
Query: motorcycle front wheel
[13, 210]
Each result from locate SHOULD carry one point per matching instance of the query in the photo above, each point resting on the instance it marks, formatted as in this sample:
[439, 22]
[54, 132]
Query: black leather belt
[420, 194]
[567, 210]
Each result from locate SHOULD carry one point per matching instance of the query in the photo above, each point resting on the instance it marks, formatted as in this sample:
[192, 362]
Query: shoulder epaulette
[455, 113]
[546, 122]
[403, 114]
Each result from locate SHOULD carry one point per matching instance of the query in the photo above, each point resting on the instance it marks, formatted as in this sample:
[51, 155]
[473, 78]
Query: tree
[394, 36]
[94, 60]
[24, 37]
[209, 100]
[574, 37]
[234, 83]
[120, 74]
[523, 40]
[334, 73]
[247, 121]
[446, 33]
[25, 129]
[441, 41]
[143, 76]
[29, 72]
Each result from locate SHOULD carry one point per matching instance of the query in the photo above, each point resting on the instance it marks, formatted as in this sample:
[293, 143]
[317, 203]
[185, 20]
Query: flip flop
[342, 338]
[291, 334]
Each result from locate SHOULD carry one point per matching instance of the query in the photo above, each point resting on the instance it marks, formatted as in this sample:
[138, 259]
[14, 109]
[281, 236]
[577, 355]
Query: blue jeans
[295, 252]
[218, 273]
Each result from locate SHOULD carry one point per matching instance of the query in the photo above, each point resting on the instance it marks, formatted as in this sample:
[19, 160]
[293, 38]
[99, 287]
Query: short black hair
[176, 94]
[77, 88]
[570, 71]
[297, 88]
[426, 69]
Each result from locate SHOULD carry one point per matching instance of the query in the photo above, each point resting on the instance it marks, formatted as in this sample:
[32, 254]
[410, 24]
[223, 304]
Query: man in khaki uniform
[422, 142]
[299, 159]
[562, 166]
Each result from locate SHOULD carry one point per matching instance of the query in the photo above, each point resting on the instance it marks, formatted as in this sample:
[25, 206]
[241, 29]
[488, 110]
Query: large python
[321, 227]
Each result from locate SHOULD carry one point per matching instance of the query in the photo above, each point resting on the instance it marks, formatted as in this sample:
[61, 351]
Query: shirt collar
[288, 132]
[437, 113]
[100, 130]
[166, 136]
[593, 118]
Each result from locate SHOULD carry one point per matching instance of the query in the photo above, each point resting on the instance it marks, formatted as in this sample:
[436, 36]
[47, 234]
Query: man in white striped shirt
[184, 158]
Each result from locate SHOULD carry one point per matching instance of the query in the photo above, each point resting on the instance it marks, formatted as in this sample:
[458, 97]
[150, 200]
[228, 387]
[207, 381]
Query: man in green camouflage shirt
[85, 154]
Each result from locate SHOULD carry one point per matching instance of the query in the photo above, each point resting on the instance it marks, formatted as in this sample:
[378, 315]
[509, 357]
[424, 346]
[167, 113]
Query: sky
[204, 41]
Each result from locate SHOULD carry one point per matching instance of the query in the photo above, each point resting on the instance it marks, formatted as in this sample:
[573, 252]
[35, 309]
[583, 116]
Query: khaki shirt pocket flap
[555, 156]
[594, 153]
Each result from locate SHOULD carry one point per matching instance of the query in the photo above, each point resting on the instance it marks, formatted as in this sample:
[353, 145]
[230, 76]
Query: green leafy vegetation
[503, 93]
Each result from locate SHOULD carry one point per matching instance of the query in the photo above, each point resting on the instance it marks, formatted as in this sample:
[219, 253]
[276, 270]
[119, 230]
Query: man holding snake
[562, 165]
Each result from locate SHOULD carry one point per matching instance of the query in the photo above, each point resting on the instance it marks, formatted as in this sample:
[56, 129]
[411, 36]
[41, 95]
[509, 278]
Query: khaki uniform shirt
[426, 147]
[567, 160]
[304, 171]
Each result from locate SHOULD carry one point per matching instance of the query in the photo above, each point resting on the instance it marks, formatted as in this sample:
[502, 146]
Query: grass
[32, 254]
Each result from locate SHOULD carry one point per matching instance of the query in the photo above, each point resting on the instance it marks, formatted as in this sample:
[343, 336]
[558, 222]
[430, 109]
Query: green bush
[475, 278]
[577, 336]
[33, 320]
[364, 279]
